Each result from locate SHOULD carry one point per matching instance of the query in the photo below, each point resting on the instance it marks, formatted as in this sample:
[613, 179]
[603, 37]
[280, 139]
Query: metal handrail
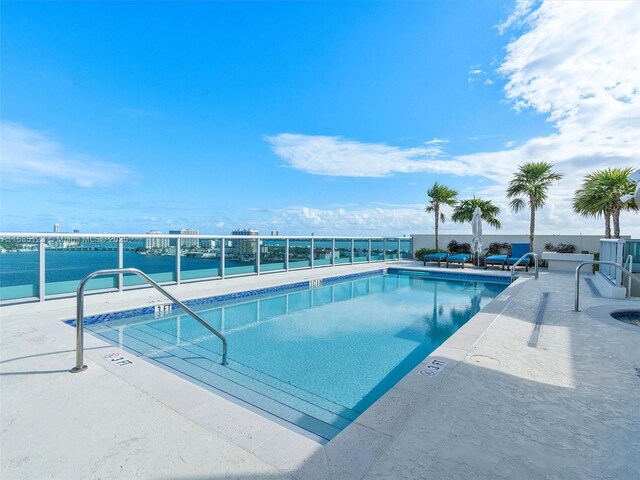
[80, 366]
[599, 262]
[629, 260]
[535, 261]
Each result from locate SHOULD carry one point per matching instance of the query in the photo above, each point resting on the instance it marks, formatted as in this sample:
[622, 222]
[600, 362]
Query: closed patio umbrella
[476, 230]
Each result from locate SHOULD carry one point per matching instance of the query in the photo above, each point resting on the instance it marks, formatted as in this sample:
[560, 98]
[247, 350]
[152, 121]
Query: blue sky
[302, 117]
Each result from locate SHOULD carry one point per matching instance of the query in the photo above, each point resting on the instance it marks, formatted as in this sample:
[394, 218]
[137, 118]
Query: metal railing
[80, 366]
[535, 262]
[44, 266]
[600, 262]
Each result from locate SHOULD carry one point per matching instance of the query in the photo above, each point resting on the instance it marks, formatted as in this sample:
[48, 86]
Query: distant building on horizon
[245, 249]
[187, 242]
[56, 228]
[153, 243]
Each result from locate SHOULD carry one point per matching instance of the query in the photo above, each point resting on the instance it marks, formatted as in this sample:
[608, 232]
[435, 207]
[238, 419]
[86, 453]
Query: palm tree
[529, 185]
[600, 195]
[440, 195]
[463, 212]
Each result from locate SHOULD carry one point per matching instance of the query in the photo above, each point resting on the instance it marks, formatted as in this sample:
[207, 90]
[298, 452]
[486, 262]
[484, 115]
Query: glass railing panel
[632, 247]
[68, 260]
[391, 248]
[200, 258]
[405, 249]
[343, 251]
[377, 250]
[299, 253]
[19, 267]
[272, 255]
[361, 251]
[154, 256]
[240, 256]
[322, 252]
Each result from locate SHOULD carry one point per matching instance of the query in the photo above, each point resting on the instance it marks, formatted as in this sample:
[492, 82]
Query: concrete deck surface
[569, 408]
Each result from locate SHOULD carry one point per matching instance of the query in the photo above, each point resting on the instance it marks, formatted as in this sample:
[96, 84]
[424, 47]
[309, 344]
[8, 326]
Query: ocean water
[64, 268]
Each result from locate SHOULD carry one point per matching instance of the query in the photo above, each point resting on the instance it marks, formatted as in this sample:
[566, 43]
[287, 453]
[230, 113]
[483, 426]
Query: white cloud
[337, 156]
[578, 63]
[436, 141]
[518, 15]
[357, 221]
[29, 157]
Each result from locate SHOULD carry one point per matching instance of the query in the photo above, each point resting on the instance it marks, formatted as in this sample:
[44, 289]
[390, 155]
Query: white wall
[589, 243]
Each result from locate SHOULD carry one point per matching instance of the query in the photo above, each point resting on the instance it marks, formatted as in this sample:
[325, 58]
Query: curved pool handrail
[118, 271]
[528, 254]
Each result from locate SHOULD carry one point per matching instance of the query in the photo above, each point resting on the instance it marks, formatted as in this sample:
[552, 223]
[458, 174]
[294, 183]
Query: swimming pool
[313, 358]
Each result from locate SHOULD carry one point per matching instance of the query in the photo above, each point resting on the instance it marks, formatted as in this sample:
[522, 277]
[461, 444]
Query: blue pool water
[313, 357]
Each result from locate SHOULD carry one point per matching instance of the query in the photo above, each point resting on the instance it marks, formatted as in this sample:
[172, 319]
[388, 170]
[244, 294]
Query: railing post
[258, 241]
[384, 249]
[286, 254]
[353, 250]
[42, 288]
[120, 263]
[178, 247]
[222, 254]
[369, 252]
[333, 251]
[313, 254]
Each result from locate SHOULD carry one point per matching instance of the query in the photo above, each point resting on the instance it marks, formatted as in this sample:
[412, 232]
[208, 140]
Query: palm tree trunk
[607, 225]
[532, 222]
[437, 212]
[615, 213]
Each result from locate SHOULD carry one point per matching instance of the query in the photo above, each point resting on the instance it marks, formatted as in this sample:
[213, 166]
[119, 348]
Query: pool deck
[566, 408]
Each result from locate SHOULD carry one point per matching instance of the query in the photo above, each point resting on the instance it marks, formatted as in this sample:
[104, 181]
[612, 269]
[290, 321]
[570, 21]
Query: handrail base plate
[78, 370]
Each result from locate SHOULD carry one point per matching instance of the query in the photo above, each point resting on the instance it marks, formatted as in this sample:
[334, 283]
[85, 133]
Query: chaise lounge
[434, 257]
[517, 251]
[460, 258]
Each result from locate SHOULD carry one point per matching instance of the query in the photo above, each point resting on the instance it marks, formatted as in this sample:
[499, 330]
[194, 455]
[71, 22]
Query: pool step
[196, 363]
[206, 346]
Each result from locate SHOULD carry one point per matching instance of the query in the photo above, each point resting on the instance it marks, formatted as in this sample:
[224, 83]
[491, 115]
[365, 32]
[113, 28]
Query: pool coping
[366, 437]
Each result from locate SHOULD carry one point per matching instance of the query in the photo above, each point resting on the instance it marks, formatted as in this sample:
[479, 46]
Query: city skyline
[327, 118]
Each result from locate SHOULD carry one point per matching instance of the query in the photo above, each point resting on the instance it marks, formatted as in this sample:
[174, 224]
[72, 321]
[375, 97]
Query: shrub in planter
[421, 252]
[497, 248]
[561, 248]
[566, 248]
[455, 247]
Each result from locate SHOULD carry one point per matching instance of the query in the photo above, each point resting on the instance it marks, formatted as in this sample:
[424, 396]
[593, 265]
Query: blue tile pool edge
[106, 317]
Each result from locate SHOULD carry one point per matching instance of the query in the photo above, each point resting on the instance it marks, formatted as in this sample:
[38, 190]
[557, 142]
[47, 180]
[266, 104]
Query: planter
[565, 262]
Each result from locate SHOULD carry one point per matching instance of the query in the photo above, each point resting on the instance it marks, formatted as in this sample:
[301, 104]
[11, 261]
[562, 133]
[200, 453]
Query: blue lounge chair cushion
[459, 258]
[496, 259]
[435, 257]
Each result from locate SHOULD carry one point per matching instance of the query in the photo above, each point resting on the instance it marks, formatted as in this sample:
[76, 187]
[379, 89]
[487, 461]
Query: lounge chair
[434, 257]
[460, 258]
[517, 251]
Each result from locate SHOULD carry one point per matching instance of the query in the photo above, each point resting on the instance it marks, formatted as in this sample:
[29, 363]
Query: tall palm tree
[600, 195]
[529, 186]
[590, 201]
[463, 211]
[440, 195]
